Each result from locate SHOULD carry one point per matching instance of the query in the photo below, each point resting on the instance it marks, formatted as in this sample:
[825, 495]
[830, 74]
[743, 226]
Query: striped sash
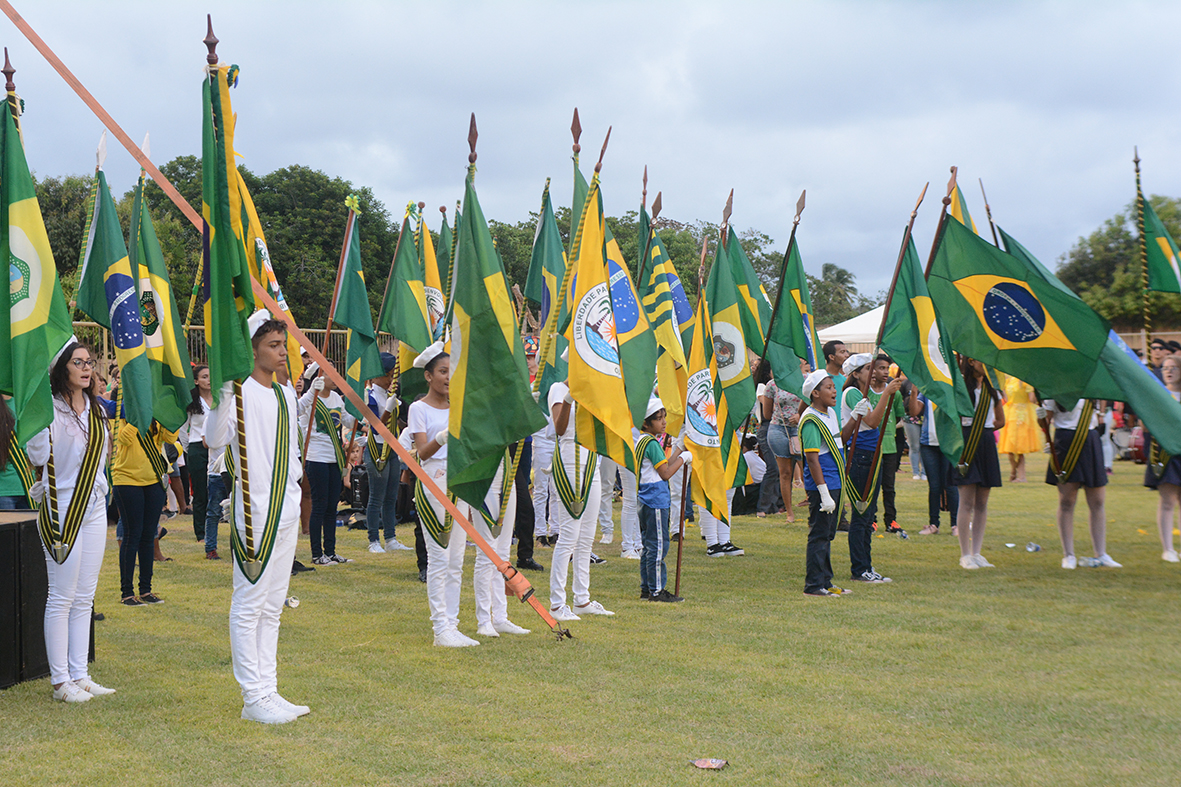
[59, 541]
[264, 544]
[1077, 442]
[829, 443]
[439, 531]
[378, 452]
[574, 499]
[973, 441]
[495, 524]
[325, 424]
[641, 447]
[20, 460]
[155, 458]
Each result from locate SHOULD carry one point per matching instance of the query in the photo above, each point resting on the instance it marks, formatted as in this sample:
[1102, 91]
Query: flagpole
[988, 211]
[939, 227]
[388, 279]
[656, 205]
[1143, 252]
[681, 528]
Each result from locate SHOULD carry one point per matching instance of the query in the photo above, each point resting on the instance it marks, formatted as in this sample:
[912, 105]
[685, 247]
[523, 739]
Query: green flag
[793, 331]
[107, 294]
[403, 310]
[914, 338]
[36, 323]
[229, 299]
[1163, 272]
[734, 389]
[167, 345]
[491, 402]
[362, 359]
[755, 308]
[547, 268]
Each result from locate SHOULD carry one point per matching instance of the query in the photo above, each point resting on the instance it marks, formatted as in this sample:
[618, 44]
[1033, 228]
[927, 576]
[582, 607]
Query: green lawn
[1022, 674]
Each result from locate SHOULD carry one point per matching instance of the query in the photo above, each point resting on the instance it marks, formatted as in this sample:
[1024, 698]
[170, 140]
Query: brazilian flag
[362, 359]
[1164, 275]
[167, 346]
[547, 267]
[34, 321]
[404, 309]
[491, 403]
[229, 299]
[913, 336]
[794, 328]
[1003, 312]
[107, 294]
[959, 210]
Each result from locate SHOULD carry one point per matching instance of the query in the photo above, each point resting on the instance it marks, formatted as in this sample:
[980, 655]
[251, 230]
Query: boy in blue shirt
[653, 469]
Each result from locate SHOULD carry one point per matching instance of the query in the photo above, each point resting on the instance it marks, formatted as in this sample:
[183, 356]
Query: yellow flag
[703, 428]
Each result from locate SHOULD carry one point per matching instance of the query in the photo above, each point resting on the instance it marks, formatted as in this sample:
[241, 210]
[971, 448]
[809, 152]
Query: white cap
[855, 362]
[812, 380]
[566, 354]
[57, 355]
[254, 321]
[654, 406]
[428, 355]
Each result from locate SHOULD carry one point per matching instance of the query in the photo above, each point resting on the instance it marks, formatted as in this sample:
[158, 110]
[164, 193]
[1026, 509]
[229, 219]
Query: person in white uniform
[488, 583]
[577, 481]
[70, 456]
[321, 409]
[274, 468]
[545, 501]
[629, 521]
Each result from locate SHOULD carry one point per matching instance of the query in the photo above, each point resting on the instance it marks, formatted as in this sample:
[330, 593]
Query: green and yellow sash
[20, 460]
[641, 447]
[439, 531]
[1075, 450]
[59, 541]
[574, 498]
[496, 523]
[378, 452]
[831, 444]
[977, 429]
[325, 424]
[265, 544]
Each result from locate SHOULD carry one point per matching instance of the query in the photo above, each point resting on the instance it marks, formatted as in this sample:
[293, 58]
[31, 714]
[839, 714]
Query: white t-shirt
[756, 466]
[429, 420]
[320, 447]
[1069, 420]
[557, 394]
[385, 402]
[989, 420]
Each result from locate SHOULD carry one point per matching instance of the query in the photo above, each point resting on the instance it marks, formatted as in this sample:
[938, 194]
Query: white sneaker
[506, 626]
[1070, 562]
[486, 630]
[375, 548]
[266, 711]
[394, 545]
[563, 613]
[607, 538]
[981, 562]
[290, 707]
[1170, 556]
[1106, 561]
[452, 638]
[71, 692]
[968, 561]
[92, 688]
[594, 608]
[630, 554]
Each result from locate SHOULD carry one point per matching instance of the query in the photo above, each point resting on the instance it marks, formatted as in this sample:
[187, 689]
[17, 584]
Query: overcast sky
[860, 103]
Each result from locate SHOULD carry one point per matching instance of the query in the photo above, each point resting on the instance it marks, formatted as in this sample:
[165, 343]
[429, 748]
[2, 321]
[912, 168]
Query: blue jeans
[324, 479]
[860, 523]
[939, 476]
[383, 496]
[216, 490]
[653, 548]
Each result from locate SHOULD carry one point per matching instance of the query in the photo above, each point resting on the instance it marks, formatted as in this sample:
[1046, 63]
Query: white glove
[568, 398]
[1041, 413]
[862, 409]
[679, 444]
[687, 458]
[227, 389]
[441, 437]
[537, 396]
[318, 384]
[827, 504]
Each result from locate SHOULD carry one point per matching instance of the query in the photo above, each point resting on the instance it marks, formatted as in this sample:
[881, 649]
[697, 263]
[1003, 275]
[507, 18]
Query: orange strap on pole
[514, 581]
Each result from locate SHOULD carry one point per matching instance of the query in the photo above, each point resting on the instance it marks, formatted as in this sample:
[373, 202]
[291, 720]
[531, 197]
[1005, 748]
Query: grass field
[1022, 674]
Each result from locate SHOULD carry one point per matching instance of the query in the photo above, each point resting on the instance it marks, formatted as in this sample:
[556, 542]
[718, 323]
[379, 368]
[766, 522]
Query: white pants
[487, 581]
[444, 568]
[255, 610]
[674, 512]
[575, 537]
[629, 518]
[715, 530]
[71, 599]
[543, 487]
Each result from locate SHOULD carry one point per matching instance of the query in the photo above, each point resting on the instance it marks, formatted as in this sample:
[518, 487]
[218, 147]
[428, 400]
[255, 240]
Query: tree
[65, 204]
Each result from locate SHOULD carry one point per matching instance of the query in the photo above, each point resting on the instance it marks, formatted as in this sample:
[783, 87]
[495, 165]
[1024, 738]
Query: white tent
[862, 329]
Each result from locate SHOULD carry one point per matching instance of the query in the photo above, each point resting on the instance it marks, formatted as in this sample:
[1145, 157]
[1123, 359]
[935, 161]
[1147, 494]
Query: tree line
[303, 215]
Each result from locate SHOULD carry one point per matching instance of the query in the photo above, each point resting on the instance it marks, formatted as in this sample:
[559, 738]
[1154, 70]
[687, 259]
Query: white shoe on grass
[290, 707]
[968, 561]
[593, 608]
[375, 548]
[1106, 561]
[1170, 556]
[266, 711]
[1070, 562]
[452, 638]
[92, 688]
[981, 562]
[394, 545]
[486, 630]
[563, 613]
[607, 538]
[506, 626]
[71, 692]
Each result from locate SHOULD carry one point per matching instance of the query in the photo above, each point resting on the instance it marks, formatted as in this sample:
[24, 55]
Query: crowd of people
[837, 443]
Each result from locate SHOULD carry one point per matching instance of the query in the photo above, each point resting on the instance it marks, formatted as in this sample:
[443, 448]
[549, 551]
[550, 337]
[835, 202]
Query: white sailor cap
[855, 362]
[654, 406]
[255, 321]
[428, 355]
[566, 354]
[57, 355]
[812, 380]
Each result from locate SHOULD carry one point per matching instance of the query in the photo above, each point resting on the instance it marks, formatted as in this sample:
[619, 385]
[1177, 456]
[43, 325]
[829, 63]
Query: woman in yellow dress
[1020, 435]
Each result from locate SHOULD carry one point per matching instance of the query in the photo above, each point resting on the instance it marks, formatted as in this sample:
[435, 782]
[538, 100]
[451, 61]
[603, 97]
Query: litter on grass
[710, 764]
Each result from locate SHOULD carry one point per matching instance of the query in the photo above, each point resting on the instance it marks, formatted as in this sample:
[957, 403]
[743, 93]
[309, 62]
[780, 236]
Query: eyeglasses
[81, 364]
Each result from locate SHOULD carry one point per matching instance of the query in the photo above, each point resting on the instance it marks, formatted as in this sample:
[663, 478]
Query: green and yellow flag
[637, 343]
[229, 300]
[1164, 275]
[436, 301]
[913, 336]
[603, 421]
[734, 389]
[491, 402]
[547, 267]
[959, 211]
[362, 358]
[107, 294]
[404, 311]
[668, 311]
[794, 329]
[35, 322]
[167, 345]
[703, 421]
[755, 309]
